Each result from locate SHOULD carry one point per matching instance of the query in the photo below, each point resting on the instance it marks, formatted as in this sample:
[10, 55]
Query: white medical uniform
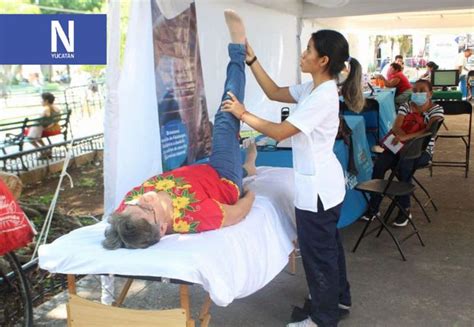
[463, 62]
[317, 170]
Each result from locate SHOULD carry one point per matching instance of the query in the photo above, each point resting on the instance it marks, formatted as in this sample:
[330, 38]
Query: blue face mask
[419, 98]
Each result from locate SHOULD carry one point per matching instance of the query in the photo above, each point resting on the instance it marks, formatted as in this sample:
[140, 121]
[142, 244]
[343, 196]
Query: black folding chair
[434, 131]
[392, 189]
[456, 108]
[371, 115]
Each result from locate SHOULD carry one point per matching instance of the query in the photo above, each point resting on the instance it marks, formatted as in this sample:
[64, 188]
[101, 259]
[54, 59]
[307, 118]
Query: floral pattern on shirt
[178, 189]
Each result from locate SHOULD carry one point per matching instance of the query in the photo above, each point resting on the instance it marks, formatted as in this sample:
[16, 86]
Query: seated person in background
[193, 198]
[430, 66]
[49, 124]
[399, 60]
[386, 68]
[397, 79]
[421, 104]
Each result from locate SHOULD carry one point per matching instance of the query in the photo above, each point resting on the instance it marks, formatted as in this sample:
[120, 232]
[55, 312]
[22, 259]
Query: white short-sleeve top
[317, 170]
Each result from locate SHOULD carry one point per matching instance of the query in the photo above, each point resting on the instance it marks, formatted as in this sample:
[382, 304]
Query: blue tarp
[354, 203]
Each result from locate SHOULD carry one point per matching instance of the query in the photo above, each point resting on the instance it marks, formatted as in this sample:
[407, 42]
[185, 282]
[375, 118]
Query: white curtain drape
[132, 136]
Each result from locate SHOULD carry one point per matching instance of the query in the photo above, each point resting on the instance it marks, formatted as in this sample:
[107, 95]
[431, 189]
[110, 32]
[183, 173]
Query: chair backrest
[415, 147]
[371, 105]
[456, 107]
[434, 128]
[411, 150]
[370, 112]
[85, 313]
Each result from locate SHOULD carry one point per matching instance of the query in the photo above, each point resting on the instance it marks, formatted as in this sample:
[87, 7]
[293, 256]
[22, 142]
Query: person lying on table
[193, 198]
[430, 112]
[397, 79]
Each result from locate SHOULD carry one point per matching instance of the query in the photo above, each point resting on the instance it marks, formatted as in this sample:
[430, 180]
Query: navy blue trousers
[324, 263]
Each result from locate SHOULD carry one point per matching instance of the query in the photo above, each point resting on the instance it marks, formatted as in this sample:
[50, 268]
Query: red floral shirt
[197, 192]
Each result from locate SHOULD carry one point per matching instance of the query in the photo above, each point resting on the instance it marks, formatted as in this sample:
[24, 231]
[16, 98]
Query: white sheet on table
[229, 263]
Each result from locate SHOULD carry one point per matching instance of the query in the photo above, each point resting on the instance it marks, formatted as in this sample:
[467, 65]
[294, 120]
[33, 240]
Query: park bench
[15, 132]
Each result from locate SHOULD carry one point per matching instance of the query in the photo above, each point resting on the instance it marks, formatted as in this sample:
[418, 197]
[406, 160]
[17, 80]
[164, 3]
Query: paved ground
[435, 287]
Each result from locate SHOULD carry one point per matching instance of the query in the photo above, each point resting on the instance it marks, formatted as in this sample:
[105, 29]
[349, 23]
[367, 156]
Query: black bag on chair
[345, 133]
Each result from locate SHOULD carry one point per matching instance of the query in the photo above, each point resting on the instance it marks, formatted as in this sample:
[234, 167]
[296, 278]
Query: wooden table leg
[123, 293]
[204, 316]
[292, 259]
[184, 297]
[292, 262]
[71, 284]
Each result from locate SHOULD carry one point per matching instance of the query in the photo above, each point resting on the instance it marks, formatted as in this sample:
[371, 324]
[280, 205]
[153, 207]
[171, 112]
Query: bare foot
[235, 25]
[250, 159]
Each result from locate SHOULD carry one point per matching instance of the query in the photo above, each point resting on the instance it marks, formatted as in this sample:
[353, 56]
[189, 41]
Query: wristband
[242, 115]
[249, 63]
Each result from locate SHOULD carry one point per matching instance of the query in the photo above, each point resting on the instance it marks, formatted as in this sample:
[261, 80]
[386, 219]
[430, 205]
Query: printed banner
[183, 118]
[53, 39]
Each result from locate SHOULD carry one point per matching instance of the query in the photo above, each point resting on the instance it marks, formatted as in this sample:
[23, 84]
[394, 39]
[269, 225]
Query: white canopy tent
[132, 139]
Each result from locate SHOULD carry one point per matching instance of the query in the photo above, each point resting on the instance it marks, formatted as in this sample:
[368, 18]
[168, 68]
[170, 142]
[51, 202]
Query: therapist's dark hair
[334, 45]
[131, 233]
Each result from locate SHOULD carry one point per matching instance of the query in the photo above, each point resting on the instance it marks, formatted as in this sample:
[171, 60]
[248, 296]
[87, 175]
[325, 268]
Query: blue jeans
[324, 263]
[463, 85]
[225, 156]
[388, 160]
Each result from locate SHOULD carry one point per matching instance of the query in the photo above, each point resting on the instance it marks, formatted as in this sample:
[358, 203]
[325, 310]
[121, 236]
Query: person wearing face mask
[420, 104]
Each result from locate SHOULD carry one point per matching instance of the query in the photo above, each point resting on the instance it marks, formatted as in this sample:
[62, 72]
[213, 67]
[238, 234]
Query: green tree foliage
[18, 7]
[79, 5]
[406, 45]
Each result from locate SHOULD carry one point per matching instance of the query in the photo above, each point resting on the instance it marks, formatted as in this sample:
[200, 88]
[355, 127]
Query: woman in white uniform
[319, 178]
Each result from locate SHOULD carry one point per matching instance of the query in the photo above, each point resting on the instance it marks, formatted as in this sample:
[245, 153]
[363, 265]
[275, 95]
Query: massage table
[229, 263]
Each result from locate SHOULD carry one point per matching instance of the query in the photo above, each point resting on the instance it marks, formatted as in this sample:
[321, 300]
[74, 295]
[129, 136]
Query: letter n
[57, 30]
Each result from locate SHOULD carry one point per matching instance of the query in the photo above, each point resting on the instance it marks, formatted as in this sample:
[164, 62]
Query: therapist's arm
[237, 212]
[269, 87]
[277, 131]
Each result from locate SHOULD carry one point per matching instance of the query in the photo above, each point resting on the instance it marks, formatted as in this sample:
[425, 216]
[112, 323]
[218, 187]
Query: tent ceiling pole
[299, 28]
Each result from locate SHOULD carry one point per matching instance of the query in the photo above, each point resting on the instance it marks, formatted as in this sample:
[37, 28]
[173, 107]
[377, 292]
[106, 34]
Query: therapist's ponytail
[351, 89]
[335, 46]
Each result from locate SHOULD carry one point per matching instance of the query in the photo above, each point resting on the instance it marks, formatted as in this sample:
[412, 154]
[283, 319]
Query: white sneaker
[305, 323]
[367, 216]
[401, 220]
[344, 307]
